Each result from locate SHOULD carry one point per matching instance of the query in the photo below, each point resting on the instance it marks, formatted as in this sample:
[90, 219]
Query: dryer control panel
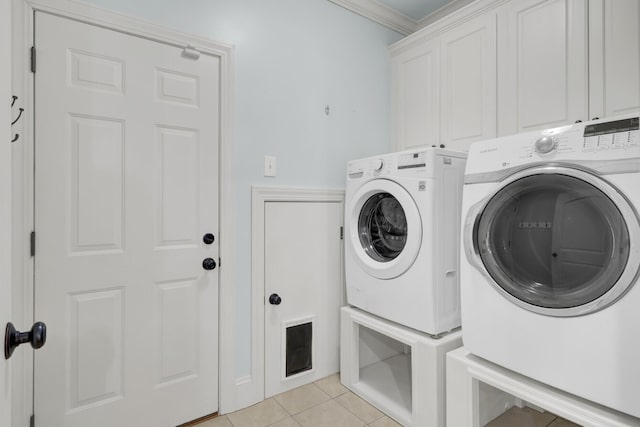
[596, 141]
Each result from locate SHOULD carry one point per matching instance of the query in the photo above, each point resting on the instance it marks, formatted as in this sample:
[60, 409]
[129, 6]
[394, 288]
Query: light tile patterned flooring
[327, 403]
[324, 403]
[527, 417]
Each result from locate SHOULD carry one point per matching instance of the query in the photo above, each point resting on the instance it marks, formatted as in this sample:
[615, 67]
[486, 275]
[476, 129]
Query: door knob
[208, 238]
[208, 264]
[274, 299]
[37, 336]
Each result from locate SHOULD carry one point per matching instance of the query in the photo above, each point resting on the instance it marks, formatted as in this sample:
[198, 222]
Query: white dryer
[552, 256]
[402, 219]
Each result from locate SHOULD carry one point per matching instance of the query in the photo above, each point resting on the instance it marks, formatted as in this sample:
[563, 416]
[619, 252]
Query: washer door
[558, 241]
[385, 229]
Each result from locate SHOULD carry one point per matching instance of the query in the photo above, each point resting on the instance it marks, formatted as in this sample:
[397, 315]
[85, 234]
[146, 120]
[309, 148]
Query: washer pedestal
[396, 369]
[479, 391]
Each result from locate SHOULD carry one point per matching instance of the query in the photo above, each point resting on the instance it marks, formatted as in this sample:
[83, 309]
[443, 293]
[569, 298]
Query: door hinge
[32, 242]
[33, 59]
[32, 421]
[341, 232]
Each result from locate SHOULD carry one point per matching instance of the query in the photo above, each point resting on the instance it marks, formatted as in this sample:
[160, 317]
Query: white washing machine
[402, 219]
[551, 242]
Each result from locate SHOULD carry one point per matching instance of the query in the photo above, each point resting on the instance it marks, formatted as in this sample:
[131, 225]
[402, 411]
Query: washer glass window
[553, 241]
[382, 227]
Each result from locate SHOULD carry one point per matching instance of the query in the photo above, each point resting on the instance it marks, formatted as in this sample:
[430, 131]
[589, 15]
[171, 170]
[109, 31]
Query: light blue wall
[292, 58]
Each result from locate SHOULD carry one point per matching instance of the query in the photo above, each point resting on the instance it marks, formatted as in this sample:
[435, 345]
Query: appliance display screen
[605, 128]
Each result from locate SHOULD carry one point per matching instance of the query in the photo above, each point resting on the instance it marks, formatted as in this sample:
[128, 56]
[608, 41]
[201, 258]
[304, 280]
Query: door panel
[126, 185]
[416, 96]
[542, 64]
[303, 265]
[468, 73]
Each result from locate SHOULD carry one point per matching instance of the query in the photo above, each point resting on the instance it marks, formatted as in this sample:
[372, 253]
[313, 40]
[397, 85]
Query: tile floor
[527, 417]
[327, 403]
[324, 403]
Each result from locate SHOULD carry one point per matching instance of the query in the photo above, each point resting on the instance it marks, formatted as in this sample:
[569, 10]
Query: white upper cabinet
[416, 95]
[468, 82]
[500, 67]
[614, 57]
[542, 64]
[444, 87]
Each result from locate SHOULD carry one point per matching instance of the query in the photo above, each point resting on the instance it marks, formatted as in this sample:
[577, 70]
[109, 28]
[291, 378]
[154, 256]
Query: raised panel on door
[416, 95]
[468, 81]
[126, 184]
[542, 73]
[303, 265]
[614, 57]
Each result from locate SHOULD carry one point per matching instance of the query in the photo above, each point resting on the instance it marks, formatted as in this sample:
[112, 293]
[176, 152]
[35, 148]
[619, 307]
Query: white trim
[456, 18]
[260, 196]
[378, 12]
[7, 115]
[441, 12]
[23, 169]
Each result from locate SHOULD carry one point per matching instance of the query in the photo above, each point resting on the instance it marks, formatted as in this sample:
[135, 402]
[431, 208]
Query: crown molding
[381, 14]
[441, 12]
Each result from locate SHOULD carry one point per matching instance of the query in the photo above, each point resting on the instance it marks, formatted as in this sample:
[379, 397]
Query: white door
[468, 82]
[303, 267]
[5, 206]
[416, 95]
[542, 59]
[126, 186]
[614, 57]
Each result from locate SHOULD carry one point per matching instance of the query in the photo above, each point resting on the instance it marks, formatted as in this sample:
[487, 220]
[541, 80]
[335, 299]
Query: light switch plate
[269, 166]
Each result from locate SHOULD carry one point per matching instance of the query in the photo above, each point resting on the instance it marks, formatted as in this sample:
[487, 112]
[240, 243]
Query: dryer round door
[384, 228]
[557, 241]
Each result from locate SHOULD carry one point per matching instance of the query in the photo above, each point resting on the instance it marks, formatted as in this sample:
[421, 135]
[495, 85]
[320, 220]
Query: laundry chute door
[126, 186]
[303, 291]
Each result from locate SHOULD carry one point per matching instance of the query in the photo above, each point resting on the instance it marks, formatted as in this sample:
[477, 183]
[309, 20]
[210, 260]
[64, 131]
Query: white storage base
[478, 391]
[399, 370]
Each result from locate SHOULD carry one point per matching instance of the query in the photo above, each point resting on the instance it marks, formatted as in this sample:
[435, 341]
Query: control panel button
[545, 145]
[378, 164]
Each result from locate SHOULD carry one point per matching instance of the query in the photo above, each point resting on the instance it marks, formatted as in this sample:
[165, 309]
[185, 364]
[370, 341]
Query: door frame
[260, 195]
[23, 12]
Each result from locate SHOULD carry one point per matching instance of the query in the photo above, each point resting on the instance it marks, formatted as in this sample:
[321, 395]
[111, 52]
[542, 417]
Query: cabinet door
[614, 57]
[468, 77]
[416, 96]
[542, 70]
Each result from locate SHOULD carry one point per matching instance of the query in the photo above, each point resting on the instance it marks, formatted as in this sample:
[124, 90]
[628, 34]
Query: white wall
[292, 58]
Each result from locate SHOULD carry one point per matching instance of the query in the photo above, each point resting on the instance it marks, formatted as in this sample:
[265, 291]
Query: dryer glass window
[382, 227]
[553, 241]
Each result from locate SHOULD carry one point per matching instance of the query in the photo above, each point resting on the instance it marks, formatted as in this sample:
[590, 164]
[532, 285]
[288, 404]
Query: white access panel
[303, 267]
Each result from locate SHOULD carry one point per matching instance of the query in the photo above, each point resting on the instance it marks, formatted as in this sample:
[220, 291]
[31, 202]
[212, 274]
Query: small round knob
[37, 337]
[378, 164]
[208, 238]
[545, 145]
[578, 121]
[596, 118]
[208, 264]
[274, 299]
